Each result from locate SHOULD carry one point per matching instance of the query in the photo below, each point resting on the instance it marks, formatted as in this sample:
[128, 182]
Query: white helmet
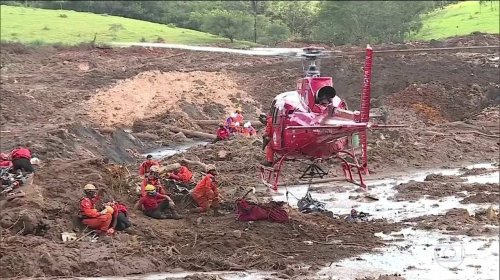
[154, 168]
[247, 124]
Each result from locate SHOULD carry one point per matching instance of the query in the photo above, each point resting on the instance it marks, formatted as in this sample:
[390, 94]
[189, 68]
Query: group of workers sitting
[155, 201]
[234, 125]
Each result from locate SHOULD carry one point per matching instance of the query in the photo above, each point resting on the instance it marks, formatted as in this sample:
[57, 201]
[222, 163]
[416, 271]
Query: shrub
[63, 16]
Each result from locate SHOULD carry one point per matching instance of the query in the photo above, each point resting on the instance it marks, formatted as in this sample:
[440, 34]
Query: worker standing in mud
[21, 158]
[157, 205]
[153, 178]
[206, 192]
[91, 217]
[266, 139]
[145, 167]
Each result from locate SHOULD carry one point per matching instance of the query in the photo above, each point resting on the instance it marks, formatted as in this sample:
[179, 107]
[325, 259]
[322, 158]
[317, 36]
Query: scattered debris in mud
[482, 193]
[459, 222]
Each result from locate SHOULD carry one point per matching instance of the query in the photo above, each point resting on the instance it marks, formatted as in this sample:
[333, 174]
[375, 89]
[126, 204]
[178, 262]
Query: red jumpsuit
[155, 182]
[20, 153]
[92, 218]
[146, 166]
[206, 193]
[222, 133]
[184, 175]
[269, 133]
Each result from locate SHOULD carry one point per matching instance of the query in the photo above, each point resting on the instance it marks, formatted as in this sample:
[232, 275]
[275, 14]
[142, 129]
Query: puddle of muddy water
[339, 202]
[223, 275]
[416, 254]
[424, 255]
[166, 152]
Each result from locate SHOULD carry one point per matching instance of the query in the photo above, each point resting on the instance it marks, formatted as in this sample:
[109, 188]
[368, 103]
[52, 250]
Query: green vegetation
[460, 19]
[39, 26]
[263, 22]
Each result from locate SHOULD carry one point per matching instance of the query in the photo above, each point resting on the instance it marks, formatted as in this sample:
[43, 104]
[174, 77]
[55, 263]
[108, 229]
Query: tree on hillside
[276, 32]
[231, 25]
[368, 21]
[299, 16]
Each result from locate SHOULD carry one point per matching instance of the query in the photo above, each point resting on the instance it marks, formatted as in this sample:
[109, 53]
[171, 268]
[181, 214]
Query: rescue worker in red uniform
[238, 117]
[157, 206]
[182, 175]
[153, 178]
[222, 133]
[120, 219]
[91, 217]
[266, 140]
[248, 130]
[146, 166]
[206, 192]
[21, 157]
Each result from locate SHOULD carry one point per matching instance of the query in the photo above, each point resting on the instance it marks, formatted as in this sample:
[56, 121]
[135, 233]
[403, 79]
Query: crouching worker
[182, 175]
[120, 216]
[91, 217]
[206, 193]
[222, 133]
[156, 205]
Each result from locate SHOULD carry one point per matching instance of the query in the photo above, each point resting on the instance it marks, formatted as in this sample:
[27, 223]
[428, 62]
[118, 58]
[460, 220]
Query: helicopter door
[277, 128]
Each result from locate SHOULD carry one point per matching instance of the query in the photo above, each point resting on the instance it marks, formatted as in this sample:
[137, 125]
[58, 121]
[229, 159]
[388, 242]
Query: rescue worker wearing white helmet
[156, 205]
[91, 217]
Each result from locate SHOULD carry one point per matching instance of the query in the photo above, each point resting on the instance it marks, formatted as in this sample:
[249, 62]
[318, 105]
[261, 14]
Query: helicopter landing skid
[348, 167]
[270, 175]
[313, 171]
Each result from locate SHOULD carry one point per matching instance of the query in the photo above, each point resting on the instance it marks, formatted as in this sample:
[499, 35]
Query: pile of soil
[457, 221]
[472, 193]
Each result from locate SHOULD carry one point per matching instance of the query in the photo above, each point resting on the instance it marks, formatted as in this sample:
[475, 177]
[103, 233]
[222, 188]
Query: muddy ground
[73, 104]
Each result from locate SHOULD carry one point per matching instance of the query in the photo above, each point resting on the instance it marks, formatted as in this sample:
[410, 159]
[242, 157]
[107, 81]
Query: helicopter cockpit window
[325, 95]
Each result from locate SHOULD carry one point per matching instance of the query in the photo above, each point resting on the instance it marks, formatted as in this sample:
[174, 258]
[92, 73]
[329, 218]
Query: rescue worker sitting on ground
[90, 216]
[237, 116]
[146, 166]
[120, 219]
[21, 158]
[222, 133]
[182, 175]
[266, 140]
[206, 192]
[248, 130]
[153, 178]
[157, 206]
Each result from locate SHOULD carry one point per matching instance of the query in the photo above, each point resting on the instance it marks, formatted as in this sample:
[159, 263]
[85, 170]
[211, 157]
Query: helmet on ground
[155, 168]
[247, 124]
[89, 187]
[210, 167]
[150, 188]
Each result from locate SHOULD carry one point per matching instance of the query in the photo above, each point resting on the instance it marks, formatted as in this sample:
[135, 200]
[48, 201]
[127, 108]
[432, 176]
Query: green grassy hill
[39, 26]
[460, 19]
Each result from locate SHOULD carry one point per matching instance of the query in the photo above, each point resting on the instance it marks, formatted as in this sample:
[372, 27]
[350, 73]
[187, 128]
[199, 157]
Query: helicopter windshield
[291, 101]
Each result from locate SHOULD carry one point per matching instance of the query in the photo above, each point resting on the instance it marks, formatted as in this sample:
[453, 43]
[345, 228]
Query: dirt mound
[439, 103]
[476, 192]
[153, 93]
[457, 221]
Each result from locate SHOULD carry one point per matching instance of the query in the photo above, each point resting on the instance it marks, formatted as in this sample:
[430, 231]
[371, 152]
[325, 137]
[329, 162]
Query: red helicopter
[314, 124]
